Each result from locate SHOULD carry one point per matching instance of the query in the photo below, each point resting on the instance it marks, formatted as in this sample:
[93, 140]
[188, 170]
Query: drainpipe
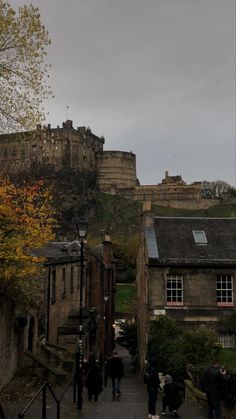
[48, 304]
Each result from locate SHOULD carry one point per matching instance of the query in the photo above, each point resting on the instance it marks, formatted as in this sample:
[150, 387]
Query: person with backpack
[151, 379]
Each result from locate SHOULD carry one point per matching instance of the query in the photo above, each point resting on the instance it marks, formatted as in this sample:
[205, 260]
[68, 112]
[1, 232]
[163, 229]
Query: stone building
[62, 296]
[186, 269]
[61, 147]
[82, 150]
[31, 336]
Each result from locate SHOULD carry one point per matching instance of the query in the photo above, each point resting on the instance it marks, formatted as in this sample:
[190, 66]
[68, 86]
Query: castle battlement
[82, 150]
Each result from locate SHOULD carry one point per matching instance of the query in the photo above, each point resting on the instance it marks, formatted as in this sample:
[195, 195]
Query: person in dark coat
[115, 368]
[214, 386]
[151, 379]
[171, 396]
[94, 382]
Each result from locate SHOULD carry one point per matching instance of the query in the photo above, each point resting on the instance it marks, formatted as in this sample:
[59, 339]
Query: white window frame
[224, 294]
[174, 293]
[227, 340]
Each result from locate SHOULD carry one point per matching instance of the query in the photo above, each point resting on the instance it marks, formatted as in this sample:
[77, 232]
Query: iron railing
[43, 389]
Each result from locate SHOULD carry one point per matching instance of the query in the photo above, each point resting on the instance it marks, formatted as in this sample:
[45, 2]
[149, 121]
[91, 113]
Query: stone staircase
[52, 363]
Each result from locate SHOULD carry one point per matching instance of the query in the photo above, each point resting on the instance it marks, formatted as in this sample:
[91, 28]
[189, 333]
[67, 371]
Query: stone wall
[8, 342]
[195, 395]
[116, 169]
[174, 196]
[64, 298]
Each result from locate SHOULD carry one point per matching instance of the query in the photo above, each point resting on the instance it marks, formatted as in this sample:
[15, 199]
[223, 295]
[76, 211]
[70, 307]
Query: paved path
[132, 405]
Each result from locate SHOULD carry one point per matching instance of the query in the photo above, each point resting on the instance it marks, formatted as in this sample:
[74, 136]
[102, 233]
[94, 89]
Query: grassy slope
[125, 298]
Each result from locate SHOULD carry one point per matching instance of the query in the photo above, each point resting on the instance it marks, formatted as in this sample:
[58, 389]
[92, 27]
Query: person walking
[214, 386]
[151, 378]
[171, 396]
[115, 368]
[94, 382]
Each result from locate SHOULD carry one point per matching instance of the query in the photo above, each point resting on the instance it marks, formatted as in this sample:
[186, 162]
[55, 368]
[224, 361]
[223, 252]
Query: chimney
[107, 253]
[147, 216]
[166, 174]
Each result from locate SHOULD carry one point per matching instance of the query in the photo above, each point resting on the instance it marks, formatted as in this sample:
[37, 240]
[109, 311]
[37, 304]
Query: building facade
[186, 269]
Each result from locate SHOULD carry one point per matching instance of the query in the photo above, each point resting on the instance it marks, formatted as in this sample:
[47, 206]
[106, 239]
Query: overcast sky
[156, 77]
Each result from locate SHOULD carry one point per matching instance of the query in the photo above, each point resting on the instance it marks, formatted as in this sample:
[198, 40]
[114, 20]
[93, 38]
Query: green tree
[23, 71]
[175, 347]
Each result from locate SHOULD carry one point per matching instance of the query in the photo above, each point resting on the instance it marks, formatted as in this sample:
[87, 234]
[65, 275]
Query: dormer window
[199, 237]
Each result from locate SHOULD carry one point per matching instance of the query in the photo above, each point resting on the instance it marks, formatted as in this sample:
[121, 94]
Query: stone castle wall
[176, 196]
[116, 170]
[81, 149]
[61, 147]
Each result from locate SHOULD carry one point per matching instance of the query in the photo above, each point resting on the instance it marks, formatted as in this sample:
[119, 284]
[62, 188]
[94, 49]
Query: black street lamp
[106, 318]
[81, 225]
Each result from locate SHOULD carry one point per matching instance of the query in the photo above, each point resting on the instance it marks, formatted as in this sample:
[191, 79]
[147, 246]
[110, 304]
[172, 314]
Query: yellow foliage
[26, 222]
[23, 71]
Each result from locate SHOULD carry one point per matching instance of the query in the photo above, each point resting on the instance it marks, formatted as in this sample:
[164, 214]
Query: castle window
[53, 287]
[63, 289]
[72, 280]
[44, 141]
[52, 141]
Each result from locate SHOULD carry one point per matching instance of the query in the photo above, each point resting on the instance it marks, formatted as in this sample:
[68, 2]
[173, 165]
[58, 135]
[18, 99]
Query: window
[63, 290]
[174, 289]
[78, 279]
[53, 287]
[72, 280]
[227, 340]
[199, 237]
[224, 289]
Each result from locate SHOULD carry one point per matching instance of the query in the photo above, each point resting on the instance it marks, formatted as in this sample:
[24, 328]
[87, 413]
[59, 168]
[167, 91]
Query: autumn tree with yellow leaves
[26, 222]
[23, 69]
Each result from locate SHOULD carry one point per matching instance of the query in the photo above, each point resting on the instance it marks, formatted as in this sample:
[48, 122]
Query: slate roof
[58, 251]
[172, 241]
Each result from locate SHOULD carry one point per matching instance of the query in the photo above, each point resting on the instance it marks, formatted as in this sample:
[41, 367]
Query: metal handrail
[43, 390]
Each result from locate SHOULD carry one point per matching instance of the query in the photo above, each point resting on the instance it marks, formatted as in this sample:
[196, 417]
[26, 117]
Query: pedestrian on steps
[151, 379]
[115, 368]
[94, 382]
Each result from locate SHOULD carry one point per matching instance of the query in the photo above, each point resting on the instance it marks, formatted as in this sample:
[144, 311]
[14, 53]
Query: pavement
[132, 403]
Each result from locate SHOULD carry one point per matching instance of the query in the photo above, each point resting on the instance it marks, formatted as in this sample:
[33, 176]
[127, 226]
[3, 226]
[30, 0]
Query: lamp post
[106, 318]
[81, 225]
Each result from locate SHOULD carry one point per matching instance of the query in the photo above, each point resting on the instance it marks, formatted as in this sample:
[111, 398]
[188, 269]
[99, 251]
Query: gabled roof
[171, 241]
[56, 249]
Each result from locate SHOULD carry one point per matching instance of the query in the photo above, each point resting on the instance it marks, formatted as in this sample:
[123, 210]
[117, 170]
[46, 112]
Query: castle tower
[116, 170]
